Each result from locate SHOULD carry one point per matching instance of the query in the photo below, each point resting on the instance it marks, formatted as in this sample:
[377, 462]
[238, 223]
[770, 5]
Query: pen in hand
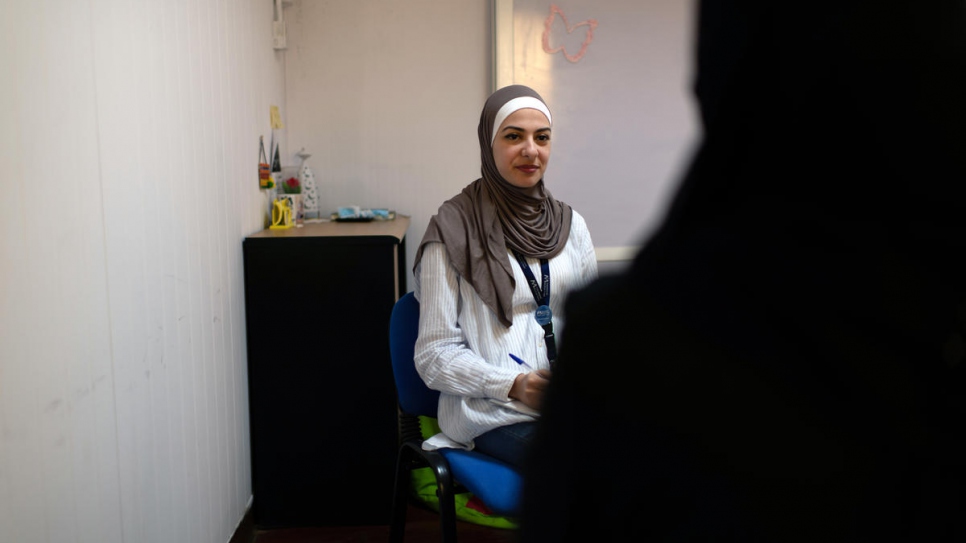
[520, 361]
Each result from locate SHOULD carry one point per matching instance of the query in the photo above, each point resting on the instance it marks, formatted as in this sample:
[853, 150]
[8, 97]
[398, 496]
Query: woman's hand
[529, 388]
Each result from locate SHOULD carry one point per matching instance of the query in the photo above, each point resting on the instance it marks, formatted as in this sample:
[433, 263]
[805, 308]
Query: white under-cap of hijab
[521, 102]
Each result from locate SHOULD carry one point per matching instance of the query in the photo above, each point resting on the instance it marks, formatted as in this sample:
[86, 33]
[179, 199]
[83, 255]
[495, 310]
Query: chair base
[411, 453]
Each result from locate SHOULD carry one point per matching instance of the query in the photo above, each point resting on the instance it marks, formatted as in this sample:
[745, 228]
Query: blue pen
[520, 361]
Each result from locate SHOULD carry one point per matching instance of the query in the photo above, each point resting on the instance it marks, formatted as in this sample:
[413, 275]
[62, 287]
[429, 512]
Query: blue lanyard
[541, 292]
[541, 295]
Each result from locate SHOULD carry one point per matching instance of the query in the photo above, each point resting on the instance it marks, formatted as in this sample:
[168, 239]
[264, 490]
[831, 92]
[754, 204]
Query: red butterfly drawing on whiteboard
[590, 25]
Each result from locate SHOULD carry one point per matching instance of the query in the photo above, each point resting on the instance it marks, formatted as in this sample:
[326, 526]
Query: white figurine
[310, 193]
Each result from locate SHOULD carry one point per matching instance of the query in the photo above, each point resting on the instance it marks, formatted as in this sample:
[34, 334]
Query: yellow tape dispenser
[281, 214]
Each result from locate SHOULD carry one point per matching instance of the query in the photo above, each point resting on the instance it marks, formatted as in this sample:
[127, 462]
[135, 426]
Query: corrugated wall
[128, 141]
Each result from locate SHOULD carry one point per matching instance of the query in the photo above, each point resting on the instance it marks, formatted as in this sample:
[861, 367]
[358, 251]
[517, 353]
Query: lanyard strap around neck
[541, 295]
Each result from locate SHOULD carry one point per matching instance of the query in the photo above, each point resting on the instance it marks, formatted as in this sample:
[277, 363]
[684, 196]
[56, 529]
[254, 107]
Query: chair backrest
[415, 398]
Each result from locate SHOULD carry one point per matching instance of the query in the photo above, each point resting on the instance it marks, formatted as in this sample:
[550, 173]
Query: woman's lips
[528, 169]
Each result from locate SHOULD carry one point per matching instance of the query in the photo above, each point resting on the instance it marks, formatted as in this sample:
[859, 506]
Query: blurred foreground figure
[783, 360]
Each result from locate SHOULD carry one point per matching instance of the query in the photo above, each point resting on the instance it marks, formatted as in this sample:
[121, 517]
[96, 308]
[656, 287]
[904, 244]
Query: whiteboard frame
[502, 43]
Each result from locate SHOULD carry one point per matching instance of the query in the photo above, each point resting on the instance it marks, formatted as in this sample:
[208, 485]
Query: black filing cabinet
[322, 402]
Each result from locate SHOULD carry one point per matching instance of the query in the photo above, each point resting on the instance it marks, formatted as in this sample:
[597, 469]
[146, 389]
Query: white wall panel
[386, 95]
[130, 133]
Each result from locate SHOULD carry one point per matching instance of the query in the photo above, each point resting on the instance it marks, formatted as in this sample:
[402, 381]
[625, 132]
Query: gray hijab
[490, 215]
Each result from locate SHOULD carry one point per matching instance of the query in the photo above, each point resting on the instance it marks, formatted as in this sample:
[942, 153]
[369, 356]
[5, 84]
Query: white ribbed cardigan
[464, 352]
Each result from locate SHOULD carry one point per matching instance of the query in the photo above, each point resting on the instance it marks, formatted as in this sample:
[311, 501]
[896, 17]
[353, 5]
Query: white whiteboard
[617, 76]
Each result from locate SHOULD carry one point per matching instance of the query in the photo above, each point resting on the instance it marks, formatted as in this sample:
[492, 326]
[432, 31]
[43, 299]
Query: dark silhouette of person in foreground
[783, 361]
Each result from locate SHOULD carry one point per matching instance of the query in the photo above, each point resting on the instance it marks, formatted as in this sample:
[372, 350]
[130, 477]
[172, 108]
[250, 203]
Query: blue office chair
[495, 483]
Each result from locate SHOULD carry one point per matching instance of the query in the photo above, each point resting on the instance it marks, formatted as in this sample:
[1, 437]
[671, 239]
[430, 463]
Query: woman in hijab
[491, 275]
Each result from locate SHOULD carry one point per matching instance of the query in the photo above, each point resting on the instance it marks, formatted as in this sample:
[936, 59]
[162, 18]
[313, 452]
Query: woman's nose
[529, 148]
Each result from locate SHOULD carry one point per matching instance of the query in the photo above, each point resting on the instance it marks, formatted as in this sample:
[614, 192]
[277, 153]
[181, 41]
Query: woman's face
[521, 148]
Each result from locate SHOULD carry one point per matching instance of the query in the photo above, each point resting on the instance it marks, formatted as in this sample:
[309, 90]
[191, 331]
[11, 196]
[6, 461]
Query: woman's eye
[512, 136]
[544, 137]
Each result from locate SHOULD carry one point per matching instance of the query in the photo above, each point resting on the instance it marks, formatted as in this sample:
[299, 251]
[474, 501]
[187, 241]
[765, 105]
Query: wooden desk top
[396, 228]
